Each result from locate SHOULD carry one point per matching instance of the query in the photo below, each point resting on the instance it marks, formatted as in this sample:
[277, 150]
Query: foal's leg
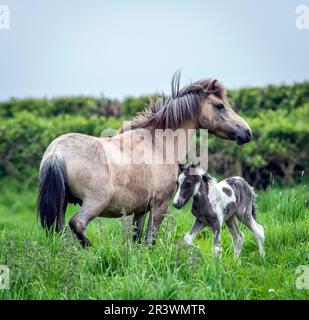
[138, 225]
[258, 232]
[237, 235]
[156, 216]
[257, 229]
[217, 249]
[190, 236]
[89, 210]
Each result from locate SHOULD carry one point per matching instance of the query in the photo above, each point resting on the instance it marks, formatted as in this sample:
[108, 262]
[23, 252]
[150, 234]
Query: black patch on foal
[230, 208]
[235, 183]
[227, 191]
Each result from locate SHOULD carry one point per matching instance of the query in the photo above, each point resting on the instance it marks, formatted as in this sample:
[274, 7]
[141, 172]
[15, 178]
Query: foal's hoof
[150, 242]
[191, 245]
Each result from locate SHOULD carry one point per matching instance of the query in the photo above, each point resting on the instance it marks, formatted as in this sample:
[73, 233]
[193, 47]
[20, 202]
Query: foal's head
[188, 184]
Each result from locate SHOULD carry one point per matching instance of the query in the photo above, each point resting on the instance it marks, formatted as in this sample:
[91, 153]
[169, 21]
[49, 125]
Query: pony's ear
[213, 85]
[181, 166]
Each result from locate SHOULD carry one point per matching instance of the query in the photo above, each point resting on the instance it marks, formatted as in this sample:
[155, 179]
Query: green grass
[56, 267]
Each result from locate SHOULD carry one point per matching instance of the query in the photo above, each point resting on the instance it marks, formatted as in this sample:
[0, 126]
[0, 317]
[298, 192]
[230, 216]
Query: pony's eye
[219, 106]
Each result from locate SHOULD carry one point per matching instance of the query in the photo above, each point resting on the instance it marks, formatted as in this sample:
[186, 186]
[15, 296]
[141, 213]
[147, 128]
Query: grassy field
[58, 268]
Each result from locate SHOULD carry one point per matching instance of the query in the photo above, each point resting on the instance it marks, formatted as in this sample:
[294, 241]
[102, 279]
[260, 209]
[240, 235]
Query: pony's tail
[52, 199]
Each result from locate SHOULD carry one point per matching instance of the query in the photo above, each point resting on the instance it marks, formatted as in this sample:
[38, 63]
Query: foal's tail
[253, 211]
[52, 199]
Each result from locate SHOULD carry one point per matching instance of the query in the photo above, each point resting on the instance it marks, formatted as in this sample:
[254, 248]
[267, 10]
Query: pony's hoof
[85, 243]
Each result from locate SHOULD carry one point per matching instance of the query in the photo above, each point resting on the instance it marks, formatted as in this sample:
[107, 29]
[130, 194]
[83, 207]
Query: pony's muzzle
[244, 136]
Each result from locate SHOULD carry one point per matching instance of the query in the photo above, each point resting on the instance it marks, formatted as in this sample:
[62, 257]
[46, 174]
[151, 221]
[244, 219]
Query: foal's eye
[219, 106]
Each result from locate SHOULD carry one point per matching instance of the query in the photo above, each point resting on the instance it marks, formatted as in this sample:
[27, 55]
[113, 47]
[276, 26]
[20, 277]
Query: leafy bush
[253, 101]
[280, 146]
[24, 138]
[75, 106]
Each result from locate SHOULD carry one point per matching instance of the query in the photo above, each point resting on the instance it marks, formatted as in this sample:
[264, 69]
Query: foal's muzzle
[177, 205]
[180, 203]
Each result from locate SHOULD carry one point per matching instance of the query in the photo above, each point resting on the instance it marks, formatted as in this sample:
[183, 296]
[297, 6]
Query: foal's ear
[181, 166]
[195, 164]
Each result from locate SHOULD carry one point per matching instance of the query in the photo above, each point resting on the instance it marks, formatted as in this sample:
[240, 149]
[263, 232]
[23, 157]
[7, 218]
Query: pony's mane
[184, 104]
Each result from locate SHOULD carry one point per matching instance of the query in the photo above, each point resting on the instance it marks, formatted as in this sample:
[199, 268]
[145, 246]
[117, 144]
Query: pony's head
[218, 116]
[203, 103]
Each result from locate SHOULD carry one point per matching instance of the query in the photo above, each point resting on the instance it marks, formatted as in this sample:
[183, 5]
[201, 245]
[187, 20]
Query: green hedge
[253, 101]
[280, 146]
[75, 106]
[24, 138]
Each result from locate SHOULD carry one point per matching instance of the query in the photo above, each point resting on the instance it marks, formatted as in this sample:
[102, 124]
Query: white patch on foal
[181, 179]
[198, 172]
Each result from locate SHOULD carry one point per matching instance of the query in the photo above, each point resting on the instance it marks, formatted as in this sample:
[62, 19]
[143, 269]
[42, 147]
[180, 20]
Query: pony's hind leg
[89, 210]
[236, 234]
[138, 225]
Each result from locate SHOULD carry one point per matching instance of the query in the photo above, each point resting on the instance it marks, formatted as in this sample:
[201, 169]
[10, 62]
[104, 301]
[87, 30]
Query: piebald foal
[217, 203]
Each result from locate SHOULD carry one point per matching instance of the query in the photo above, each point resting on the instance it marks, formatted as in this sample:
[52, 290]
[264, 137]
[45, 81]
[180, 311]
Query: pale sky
[122, 48]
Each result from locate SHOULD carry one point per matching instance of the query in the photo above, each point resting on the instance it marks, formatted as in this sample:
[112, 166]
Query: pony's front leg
[190, 236]
[138, 221]
[156, 216]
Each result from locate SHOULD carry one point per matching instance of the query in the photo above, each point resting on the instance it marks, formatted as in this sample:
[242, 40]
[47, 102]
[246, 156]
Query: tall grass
[56, 267]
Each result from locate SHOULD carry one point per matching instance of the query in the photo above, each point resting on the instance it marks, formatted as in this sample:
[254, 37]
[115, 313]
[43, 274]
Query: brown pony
[83, 169]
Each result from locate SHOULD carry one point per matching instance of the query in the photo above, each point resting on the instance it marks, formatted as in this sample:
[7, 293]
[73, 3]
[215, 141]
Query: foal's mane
[209, 179]
[184, 104]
